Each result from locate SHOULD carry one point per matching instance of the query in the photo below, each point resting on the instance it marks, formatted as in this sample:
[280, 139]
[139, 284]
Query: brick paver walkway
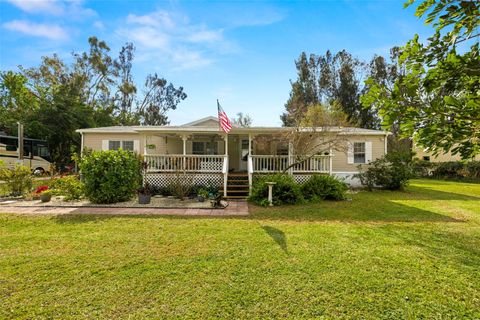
[235, 208]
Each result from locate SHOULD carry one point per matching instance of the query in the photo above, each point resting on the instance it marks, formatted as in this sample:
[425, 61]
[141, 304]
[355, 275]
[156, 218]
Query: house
[207, 156]
[426, 155]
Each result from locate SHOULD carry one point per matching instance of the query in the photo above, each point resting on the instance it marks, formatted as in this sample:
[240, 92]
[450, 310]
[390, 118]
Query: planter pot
[45, 197]
[200, 199]
[144, 198]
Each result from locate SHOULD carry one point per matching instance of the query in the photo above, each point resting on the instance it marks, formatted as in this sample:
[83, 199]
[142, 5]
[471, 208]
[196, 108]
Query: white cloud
[205, 36]
[99, 25]
[169, 37]
[37, 6]
[155, 19]
[188, 59]
[50, 31]
[73, 9]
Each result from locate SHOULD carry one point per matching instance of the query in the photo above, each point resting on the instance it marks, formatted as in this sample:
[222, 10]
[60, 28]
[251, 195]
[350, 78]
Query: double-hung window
[359, 152]
[113, 145]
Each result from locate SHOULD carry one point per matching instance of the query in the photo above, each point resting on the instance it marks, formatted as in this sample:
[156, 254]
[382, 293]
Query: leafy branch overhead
[437, 98]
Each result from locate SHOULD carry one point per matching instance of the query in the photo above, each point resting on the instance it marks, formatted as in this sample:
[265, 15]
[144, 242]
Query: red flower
[40, 189]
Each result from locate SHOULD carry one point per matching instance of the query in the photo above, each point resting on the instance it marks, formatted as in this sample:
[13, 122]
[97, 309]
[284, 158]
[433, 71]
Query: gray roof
[193, 127]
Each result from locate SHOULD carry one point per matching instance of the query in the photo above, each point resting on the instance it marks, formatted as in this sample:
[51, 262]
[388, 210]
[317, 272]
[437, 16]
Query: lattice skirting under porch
[164, 180]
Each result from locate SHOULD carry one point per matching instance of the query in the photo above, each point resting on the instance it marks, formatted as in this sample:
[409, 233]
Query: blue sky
[239, 52]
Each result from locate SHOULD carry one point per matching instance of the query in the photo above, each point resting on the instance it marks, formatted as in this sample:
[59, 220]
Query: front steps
[237, 185]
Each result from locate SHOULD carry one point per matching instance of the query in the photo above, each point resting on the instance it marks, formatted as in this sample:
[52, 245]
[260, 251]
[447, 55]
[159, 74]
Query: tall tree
[327, 79]
[437, 100]
[17, 102]
[159, 97]
[126, 88]
[56, 98]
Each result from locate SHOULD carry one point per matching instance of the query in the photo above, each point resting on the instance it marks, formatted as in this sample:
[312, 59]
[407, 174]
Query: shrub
[110, 176]
[69, 186]
[18, 180]
[422, 168]
[390, 172]
[473, 169]
[449, 170]
[180, 185]
[285, 191]
[324, 187]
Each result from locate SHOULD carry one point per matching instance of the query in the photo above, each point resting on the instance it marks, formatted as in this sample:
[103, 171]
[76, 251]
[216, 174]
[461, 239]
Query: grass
[382, 255]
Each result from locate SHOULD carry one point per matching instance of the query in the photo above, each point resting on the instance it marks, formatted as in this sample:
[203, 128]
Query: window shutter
[104, 145]
[189, 147]
[136, 146]
[368, 151]
[350, 152]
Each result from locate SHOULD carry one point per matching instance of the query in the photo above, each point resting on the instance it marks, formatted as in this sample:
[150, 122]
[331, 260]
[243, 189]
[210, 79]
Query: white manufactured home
[231, 161]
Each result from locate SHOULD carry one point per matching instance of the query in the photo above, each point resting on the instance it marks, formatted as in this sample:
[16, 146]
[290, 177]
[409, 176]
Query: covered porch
[213, 158]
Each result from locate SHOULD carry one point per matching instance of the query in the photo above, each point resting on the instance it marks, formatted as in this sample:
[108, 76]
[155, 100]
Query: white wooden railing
[219, 163]
[271, 163]
[187, 163]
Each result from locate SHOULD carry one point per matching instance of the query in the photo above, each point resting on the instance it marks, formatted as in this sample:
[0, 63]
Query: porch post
[184, 139]
[250, 163]
[289, 161]
[144, 144]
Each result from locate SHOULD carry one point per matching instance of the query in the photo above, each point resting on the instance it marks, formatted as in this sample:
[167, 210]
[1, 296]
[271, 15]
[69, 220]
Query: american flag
[223, 120]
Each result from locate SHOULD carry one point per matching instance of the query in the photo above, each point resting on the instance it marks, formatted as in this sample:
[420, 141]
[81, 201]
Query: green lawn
[387, 255]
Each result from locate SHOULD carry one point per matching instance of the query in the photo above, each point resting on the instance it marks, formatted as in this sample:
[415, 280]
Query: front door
[242, 162]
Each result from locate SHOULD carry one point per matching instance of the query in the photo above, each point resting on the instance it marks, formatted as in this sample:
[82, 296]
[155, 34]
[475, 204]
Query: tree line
[427, 92]
[94, 90]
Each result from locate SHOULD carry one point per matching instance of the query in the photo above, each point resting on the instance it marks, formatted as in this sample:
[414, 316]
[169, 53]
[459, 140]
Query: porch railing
[271, 163]
[188, 163]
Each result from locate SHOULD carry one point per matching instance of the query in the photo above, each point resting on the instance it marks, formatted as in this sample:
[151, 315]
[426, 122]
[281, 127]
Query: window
[202, 147]
[359, 152]
[125, 145]
[113, 145]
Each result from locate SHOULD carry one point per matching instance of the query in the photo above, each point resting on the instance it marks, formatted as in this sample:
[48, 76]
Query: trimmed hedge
[110, 176]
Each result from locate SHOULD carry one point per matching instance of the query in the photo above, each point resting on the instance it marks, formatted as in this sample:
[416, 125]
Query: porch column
[289, 161]
[144, 144]
[184, 139]
[250, 163]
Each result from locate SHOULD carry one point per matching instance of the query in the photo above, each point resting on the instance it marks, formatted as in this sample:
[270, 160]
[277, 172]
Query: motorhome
[36, 154]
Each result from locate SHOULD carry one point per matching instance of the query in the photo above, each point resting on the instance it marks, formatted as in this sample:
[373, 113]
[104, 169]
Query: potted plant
[202, 194]
[46, 195]
[144, 194]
